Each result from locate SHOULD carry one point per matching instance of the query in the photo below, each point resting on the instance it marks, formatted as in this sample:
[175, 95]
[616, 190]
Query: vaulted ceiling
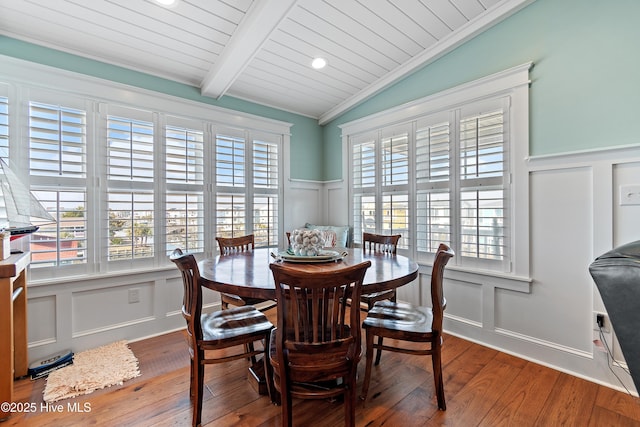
[261, 50]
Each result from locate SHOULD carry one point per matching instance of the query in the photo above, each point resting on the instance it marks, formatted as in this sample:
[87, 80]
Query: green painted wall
[306, 135]
[585, 91]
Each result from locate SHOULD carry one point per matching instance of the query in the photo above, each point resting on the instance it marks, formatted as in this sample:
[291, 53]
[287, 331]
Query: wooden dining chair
[235, 327]
[387, 244]
[410, 323]
[317, 341]
[234, 245]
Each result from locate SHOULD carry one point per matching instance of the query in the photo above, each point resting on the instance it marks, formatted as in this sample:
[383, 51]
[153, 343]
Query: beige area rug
[92, 370]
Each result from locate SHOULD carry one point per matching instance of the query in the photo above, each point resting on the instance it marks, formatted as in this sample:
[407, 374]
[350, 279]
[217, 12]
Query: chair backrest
[438, 302]
[380, 242]
[314, 334]
[192, 296]
[229, 245]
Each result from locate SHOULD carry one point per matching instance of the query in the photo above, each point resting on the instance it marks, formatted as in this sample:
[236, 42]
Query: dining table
[247, 274]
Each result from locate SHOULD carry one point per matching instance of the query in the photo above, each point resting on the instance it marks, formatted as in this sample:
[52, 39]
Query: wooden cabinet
[13, 324]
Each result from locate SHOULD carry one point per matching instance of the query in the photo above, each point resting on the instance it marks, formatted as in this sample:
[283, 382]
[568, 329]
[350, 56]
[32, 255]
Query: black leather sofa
[617, 277]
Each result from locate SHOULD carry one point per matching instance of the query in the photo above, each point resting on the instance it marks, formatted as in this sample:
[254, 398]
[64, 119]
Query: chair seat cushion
[397, 316]
[233, 322]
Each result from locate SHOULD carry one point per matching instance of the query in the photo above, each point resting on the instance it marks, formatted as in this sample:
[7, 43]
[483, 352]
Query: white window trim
[514, 83]
[22, 78]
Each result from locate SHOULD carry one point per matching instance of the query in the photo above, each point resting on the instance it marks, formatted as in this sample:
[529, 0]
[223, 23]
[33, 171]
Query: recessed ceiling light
[319, 63]
[167, 2]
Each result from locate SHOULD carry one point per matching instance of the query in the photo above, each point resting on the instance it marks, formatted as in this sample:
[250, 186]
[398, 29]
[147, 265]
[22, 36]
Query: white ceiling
[261, 50]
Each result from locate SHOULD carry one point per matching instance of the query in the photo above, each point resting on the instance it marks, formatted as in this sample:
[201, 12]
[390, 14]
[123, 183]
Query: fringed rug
[92, 370]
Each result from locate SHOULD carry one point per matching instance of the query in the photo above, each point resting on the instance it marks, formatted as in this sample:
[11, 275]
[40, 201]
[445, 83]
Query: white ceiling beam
[262, 18]
[505, 9]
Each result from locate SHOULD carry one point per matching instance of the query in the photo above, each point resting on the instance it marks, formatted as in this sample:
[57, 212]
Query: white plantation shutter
[184, 155]
[57, 141]
[441, 178]
[364, 168]
[130, 225]
[364, 163]
[380, 163]
[4, 143]
[130, 149]
[130, 182]
[230, 215]
[57, 161]
[394, 155]
[127, 183]
[248, 185]
[184, 161]
[230, 161]
[265, 177]
[65, 242]
[4, 124]
[483, 179]
[433, 181]
[231, 219]
[395, 160]
[395, 216]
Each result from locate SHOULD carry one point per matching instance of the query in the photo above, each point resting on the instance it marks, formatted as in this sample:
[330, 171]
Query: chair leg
[197, 386]
[436, 360]
[350, 400]
[379, 351]
[192, 383]
[285, 405]
[368, 363]
[250, 348]
[268, 371]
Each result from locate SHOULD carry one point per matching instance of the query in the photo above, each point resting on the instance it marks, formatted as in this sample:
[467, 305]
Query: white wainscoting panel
[41, 319]
[93, 309]
[464, 301]
[626, 227]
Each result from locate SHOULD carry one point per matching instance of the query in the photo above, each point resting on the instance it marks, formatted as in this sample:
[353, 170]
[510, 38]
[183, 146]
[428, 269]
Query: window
[266, 184]
[433, 165]
[381, 203]
[185, 189]
[4, 126]
[483, 178]
[130, 174]
[476, 228]
[247, 186]
[130, 191]
[57, 164]
[440, 170]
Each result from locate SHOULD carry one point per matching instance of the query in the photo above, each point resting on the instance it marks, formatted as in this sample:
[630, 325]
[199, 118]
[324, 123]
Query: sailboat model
[20, 212]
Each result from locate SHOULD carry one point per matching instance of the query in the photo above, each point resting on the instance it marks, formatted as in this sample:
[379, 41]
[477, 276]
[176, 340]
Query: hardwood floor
[483, 388]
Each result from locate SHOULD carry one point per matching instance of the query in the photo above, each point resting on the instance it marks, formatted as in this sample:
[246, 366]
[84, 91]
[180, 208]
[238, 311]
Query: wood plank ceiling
[261, 50]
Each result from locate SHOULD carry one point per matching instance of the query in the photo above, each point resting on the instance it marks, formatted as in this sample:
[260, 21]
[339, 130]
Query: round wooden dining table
[247, 274]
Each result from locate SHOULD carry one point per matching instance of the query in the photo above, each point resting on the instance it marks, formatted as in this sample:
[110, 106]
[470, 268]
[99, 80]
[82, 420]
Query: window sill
[485, 277]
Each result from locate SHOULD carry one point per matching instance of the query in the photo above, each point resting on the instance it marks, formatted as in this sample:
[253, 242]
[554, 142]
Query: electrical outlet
[134, 295]
[599, 316]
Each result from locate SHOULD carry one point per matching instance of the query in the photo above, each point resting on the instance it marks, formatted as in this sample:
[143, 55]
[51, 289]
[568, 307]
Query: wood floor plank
[482, 392]
[483, 387]
[524, 399]
[570, 402]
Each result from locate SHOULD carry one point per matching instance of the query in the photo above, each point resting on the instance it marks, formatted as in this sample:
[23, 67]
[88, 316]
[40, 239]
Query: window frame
[511, 84]
[24, 81]
[246, 187]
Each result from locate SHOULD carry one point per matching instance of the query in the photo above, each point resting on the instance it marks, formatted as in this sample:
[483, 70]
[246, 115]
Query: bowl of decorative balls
[306, 242]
